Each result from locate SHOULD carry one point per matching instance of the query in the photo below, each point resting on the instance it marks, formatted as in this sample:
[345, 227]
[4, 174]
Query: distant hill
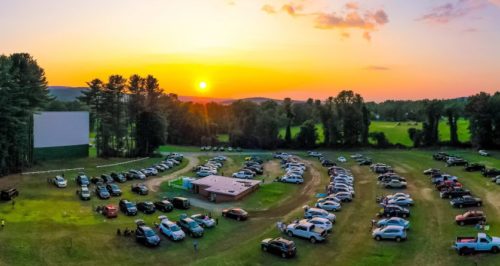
[66, 94]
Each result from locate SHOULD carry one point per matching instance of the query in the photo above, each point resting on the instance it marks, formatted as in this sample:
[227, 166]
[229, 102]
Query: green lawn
[398, 132]
[50, 226]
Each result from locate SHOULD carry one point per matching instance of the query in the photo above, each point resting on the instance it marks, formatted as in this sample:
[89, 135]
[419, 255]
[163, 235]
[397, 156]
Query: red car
[448, 184]
[470, 217]
[110, 211]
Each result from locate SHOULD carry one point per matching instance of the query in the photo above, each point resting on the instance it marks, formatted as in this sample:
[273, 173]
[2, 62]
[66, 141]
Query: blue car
[394, 221]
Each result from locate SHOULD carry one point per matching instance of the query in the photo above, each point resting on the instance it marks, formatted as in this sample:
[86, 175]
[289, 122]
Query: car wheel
[450, 197]
[312, 240]
[479, 204]
[264, 248]
[283, 255]
[290, 234]
[378, 238]
[462, 223]
[387, 215]
[405, 215]
[494, 250]
[238, 218]
[461, 206]
[398, 239]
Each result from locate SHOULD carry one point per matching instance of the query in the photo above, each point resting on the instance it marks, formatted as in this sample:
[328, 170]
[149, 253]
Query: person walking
[3, 223]
[195, 245]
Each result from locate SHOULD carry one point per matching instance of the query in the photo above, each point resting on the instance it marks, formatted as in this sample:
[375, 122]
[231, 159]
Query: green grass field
[398, 132]
[50, 226]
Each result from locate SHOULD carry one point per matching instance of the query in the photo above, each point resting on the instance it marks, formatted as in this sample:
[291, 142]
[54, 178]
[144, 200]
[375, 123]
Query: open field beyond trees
[51, 226]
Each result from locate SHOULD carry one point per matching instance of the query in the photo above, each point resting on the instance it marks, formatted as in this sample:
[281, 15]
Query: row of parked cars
[294, 169]
[449, 187]
[193, 226]
[220, 148]
[453, 160]
[252, 167]
[211, 167]
[393, 223]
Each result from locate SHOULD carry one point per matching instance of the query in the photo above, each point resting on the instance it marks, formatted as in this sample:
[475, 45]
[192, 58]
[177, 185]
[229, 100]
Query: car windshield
[175, 228]
[149, 233]
[192, 224]
[129, 205]
[113, 186]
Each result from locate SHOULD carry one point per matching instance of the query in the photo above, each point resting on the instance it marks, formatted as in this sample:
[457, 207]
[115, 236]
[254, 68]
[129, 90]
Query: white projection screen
[57, 129]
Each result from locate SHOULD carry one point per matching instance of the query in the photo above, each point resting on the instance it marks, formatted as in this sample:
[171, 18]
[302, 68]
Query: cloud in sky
[377, 68]
[450, 11]
[351, 16]
[268, 9]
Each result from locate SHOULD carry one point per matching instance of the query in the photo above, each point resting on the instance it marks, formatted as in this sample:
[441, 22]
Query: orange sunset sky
[271, 48]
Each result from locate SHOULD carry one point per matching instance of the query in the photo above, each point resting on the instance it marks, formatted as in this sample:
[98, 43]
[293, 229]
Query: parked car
[307, 231]
[329, 206]
[190, 227]
[203, 220]
[128, 207]
[294, 179]
[118, 177]
[453, 161]
[82, 179]
[164, 205]
[316, 212]
[491, 172]
[140, 189]
[437, 179]
[474, 167]
[342, 159]
[470, 217]
[401, 201]
[320, 223]
[110, 211]
[279, 246]
[203, 173]
[431, 171]
[344, 196]
[8, 194]
[235, 213]
[392, 232]
[448, 184]
[107, 178]
[114, 189]
[483, 153]
[84, 193]
[101, 191]
[59, 182]
[454, 193]
[394, 211]
[482, 242]
[134, 174]
[242, 175]
[440, 156]
[181, 203]
[394, 183]
[398, 195]
[365, 162]
[145, 235]
[171, 229]
[466, 201]
[394, 221]
[314, 154]
[146, 207]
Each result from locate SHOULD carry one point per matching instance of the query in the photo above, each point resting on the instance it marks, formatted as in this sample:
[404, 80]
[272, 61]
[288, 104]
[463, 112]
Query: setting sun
[202, 87]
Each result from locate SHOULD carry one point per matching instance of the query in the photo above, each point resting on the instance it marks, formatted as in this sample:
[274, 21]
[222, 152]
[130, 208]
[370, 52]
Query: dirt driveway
[154, 183]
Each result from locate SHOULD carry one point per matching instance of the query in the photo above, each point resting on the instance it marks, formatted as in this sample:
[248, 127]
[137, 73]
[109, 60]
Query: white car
[320, 223]
[242, 175]
[394, 232]
[329, 205]
[330, 198]
[316, 212]
[401, 201]
[483, 153]
[294, 179]
[306, 230]
[60, 182]
[342, 159]
[171, 229]
[399, 195]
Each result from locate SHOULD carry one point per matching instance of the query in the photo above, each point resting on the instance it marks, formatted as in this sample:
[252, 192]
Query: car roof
[284, 240]
[393, 227]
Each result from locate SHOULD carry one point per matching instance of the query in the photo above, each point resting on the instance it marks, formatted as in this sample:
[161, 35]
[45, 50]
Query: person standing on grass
[3, 223]
[195, 245]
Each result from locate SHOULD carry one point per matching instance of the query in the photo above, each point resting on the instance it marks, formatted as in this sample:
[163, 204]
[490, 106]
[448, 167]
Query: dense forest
[133, 116]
